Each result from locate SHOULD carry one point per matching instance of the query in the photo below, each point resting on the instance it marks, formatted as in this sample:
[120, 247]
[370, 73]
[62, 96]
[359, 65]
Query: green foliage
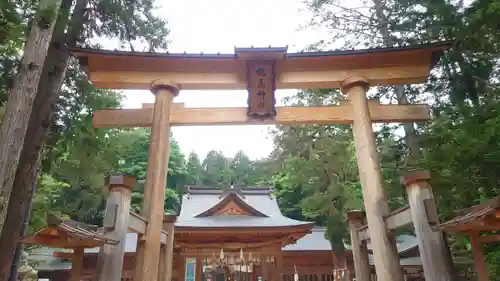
[194, 169]
[463, 147]
[132, 22]
[176, 167]
[134, 162]
[493, 258]
[13, 15]
[75, 184]
[48, 192]
[245, 172]
[317, 178]
[216, 169]
[77, 156]
[47, 13]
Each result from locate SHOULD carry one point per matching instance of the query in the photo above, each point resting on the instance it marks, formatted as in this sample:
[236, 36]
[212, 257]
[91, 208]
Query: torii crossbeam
[261, 71]
[185, 116]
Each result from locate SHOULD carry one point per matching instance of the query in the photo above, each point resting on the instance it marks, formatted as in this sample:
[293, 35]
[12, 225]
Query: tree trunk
[53, 75]
[20, 102]
[339, 266]
[411, 138]
[449, 261]
[20, 246]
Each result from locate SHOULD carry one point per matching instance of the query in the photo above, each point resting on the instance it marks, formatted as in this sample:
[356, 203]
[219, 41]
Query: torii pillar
[148, 248]
[374, 196]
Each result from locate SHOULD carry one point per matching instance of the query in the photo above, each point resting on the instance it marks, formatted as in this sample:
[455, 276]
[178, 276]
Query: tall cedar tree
[20, 102]
[79, 21]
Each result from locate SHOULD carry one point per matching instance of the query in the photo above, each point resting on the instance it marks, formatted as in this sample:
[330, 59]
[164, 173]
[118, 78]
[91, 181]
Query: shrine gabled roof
[231, 195]
[198, 201]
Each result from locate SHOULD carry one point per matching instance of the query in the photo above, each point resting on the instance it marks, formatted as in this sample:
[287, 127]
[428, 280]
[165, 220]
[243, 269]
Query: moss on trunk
[47, 13]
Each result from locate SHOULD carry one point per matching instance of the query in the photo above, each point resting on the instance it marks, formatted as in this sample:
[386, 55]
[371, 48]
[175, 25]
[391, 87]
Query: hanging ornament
[221, 253]
[242, 258]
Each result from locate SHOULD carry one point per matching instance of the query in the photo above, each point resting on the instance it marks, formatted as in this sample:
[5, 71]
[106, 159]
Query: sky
[212, 26]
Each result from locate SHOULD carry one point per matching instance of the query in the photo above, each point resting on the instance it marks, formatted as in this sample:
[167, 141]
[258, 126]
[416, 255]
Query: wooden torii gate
[261, 71]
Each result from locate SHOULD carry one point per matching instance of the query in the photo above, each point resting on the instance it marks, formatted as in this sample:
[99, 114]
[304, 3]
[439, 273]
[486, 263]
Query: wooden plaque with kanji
[261, 87]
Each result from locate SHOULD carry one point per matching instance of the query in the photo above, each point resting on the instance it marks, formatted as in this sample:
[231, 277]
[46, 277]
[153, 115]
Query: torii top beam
[381, 66]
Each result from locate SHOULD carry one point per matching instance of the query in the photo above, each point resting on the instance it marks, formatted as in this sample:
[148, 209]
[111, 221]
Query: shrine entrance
[220, 273]
[261, 71]
[233, 234]
[234, 272]
[216, 269]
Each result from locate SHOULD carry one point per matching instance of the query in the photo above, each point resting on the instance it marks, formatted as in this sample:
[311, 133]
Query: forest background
[312, 168]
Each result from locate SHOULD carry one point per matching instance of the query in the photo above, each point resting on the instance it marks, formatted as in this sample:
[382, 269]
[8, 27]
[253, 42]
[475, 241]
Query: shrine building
[233, 234]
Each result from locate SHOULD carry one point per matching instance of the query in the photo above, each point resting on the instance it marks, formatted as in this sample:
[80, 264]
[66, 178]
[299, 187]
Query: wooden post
[110, 263]
[167, 251]
[162, 265]
[264, 267]
[198, 276]
[430, 243]
[182, 268]
[279, 266]
[254, 273]
[156, 178]
[170, 228]
[478, 255]
[394, 246]
[375, 200]
[359, 249]
[139, 255]
[77, 264]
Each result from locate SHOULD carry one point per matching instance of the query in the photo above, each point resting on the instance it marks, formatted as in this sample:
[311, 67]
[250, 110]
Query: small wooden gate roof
[68, 234]
[482, 217]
